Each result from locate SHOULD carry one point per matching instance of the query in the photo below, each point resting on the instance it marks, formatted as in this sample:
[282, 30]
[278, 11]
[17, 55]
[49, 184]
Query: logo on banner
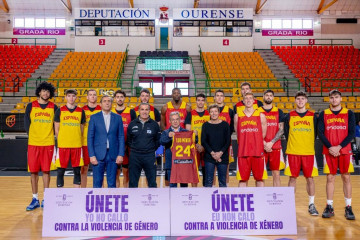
[150, 200]
[10, 121]
[63, 200]
[164, 15]
[275, 199]
[190, 199]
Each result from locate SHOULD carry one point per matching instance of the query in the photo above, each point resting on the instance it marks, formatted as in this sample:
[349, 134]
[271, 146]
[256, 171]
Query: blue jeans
[99, 170]
[209, 174]
[175, 184]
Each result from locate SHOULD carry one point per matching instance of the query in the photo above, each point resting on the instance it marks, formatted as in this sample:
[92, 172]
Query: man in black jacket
[143, 140]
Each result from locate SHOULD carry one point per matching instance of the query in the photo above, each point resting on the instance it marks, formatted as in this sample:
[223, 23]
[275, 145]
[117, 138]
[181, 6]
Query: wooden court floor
[16, 223]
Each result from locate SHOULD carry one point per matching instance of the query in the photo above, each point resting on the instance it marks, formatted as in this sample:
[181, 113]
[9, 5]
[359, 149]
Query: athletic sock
[330, 202]
[36, 196]
[311, 200]
[348, 201]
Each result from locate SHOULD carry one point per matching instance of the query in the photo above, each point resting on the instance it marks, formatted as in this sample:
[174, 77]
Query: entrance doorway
[164, 38]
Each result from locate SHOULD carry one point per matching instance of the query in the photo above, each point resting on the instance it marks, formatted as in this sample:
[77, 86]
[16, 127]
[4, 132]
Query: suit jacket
[97, 136]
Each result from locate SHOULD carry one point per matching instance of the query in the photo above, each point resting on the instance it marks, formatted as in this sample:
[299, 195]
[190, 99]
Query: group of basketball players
[258, 127]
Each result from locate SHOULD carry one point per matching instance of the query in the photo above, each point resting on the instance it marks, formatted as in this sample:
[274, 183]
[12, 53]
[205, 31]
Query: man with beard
[91, 108]
[175, 105]
[144, 98]
[272, 141]
[336, 127]
[127, 115]
[39, 125]
[245, 88]
[194, 121]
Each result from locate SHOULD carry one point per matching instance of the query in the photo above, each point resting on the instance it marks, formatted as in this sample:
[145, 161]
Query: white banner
[106, 212]
[115, 13]
[233, 211]
[213, 14]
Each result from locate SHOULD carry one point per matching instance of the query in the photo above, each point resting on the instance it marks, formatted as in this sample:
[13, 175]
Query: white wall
[263, 42]
[63, 41]
[115, 44]
[212, 44]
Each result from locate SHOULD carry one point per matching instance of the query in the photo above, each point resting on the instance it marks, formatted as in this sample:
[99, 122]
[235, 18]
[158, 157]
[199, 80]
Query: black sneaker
[312, 210]
[328, 212]
[349, 213]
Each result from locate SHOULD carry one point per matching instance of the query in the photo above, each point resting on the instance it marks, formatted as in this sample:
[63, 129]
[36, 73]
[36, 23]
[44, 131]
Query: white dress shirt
[107, 125]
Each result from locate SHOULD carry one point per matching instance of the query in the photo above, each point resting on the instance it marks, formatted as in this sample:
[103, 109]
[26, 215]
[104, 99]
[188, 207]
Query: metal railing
[207, 89]
[2, 86]
[16, 84]
[28, 41]
[307, 85]
[67, 83]
[122, 66]
[316, 42]
[354, 88]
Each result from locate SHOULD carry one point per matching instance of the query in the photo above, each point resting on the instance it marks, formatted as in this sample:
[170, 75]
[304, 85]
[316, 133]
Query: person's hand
[335, 150]
[268, 146]
[93, 161]
[196, 132]
[119, 160]
[218, 155]
[213, 155]
[200, 148]
[171, 134]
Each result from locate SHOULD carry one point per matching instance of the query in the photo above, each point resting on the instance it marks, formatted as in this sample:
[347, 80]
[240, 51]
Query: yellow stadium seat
[24, 99]
[19, 106]
[280, 105]
[351, 99]
[289, 106]
[357, 105]
[132, 105]
[1, 100]
[350, 105]
[284, 99]
[33, 99]
[291, 99]
[276, 99]
[210, 100]
[234, 99]
[133, 99]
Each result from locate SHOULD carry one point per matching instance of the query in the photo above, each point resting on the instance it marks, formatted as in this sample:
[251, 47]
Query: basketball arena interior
[197, 46]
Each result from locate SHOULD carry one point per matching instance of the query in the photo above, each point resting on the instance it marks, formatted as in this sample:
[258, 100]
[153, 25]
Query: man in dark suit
[106, 143]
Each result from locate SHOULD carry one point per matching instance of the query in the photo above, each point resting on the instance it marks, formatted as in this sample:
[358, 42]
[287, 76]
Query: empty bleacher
[323, 64]
[20, 61]
[228, 70]
[78, 67]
